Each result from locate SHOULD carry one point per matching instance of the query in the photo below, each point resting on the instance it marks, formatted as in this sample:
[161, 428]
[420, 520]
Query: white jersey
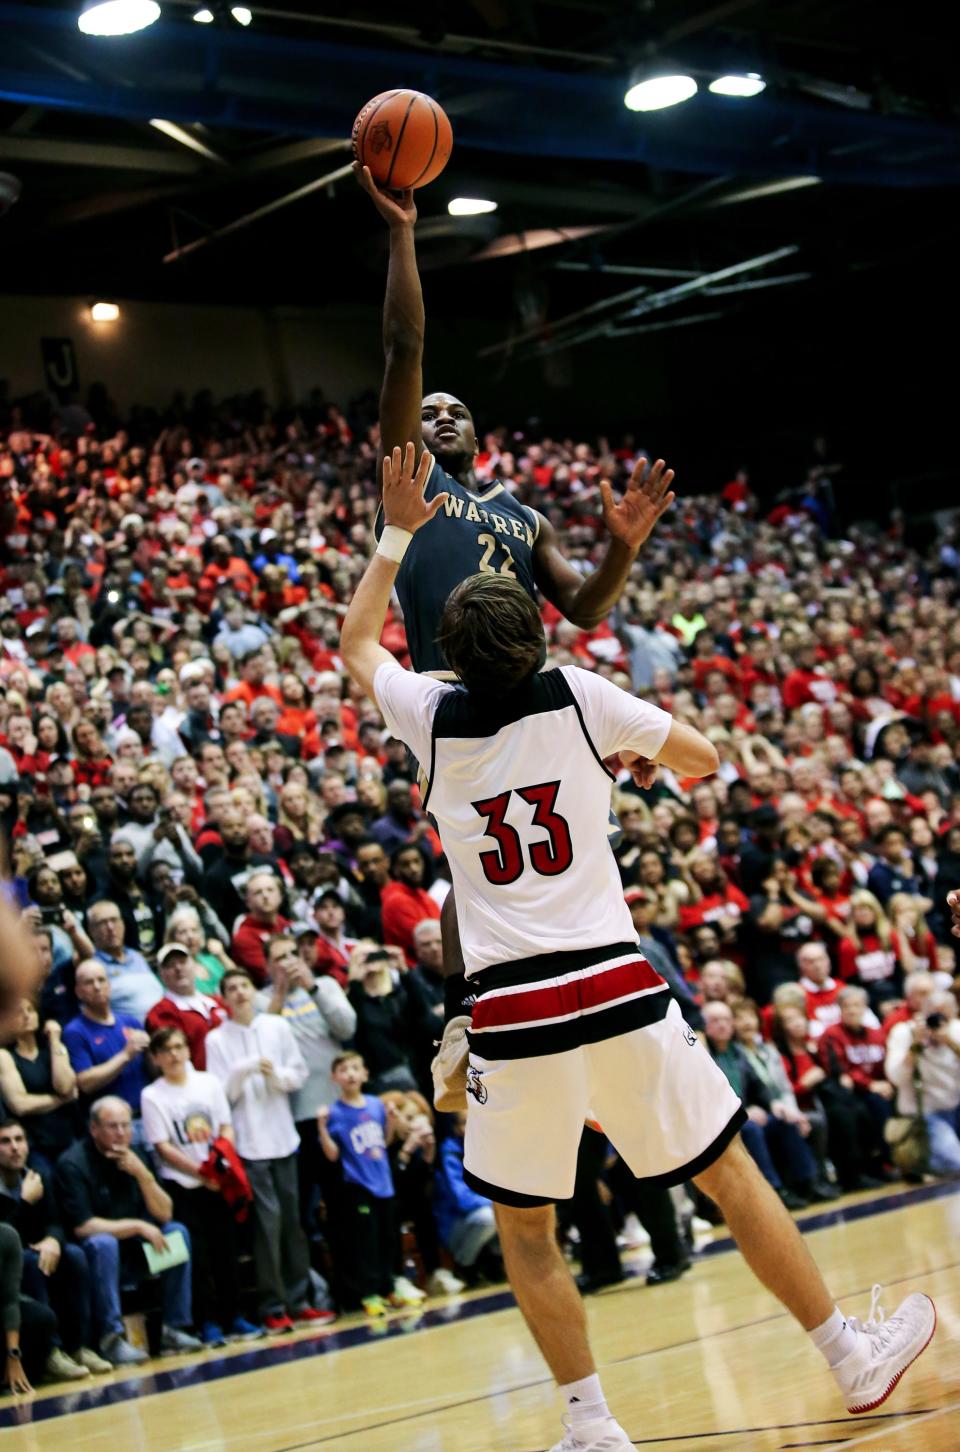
[521, 799]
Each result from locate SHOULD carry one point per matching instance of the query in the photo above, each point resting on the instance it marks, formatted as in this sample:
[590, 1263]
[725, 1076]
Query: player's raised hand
[403, 501]
[396, 208]
[632, 518]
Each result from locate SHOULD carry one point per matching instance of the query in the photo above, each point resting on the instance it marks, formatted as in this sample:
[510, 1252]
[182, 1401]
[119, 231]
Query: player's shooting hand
[632, 518]
[396, 208]
[403, 501]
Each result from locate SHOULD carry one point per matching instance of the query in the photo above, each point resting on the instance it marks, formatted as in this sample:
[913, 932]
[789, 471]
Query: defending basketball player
[569, 1017]
[482, 528]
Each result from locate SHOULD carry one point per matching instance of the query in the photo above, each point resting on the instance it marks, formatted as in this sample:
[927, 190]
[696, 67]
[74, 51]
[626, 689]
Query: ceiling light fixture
[104, 312]
[241, 14]
[470, 207]
[117, 17]
[204, 16]
[750, 84]
[655, 93]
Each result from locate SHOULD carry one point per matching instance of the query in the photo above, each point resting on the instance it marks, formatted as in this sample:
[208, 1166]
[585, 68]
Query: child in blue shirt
[357, 1131]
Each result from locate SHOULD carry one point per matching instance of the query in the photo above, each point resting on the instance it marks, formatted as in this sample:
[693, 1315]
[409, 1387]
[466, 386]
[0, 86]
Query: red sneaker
[313, 1313]
[278, 1323]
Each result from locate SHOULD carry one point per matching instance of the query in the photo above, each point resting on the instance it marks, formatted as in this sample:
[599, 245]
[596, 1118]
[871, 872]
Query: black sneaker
[662, 1271]
[791, 1200]
[821, 1191]
[588, 1284]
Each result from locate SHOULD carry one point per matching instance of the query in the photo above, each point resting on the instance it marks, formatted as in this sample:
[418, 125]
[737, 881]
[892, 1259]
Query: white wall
[155, 349]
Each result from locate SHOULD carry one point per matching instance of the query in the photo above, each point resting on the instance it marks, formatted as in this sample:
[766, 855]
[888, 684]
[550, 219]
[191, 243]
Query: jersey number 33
[504, 863]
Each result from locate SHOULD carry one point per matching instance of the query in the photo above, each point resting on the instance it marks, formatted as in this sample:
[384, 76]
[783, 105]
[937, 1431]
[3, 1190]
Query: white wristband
[394, 542]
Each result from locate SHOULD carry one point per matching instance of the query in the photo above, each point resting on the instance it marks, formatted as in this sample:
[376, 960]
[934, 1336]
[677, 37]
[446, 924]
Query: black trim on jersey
[500, 1196]
[430, 773]
[589, 739]
[464, 713]
[703, 1161]
[530, 971]
[573, 1033]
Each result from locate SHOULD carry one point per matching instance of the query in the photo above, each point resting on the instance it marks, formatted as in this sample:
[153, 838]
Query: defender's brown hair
[491, 634]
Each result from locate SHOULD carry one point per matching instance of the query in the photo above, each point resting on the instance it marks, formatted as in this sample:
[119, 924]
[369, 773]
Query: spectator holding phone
[386, 1033]
[925, 1054]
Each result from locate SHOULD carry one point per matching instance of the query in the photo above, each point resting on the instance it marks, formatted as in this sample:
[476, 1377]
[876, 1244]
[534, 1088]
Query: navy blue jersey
[472, 533]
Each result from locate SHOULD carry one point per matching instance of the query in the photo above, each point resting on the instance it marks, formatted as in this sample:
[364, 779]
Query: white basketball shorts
[656, 1093]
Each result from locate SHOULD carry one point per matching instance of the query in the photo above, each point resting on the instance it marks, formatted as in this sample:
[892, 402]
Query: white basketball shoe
[884, 1350]
[611, 1438]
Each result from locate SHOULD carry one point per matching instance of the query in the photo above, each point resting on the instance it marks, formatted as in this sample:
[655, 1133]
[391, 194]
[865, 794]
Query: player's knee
[528, 1226]
[726, 1172]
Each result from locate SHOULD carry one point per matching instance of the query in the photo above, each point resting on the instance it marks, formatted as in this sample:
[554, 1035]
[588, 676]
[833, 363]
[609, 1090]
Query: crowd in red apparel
[178, 738]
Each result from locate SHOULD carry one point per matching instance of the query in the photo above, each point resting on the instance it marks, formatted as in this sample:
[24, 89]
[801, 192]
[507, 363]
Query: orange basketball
[404, 137]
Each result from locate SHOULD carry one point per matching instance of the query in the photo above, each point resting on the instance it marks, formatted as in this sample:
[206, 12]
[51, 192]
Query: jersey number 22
[504, 863]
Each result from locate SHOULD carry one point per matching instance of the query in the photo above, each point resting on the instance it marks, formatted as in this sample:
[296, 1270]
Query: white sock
[835, 1338]
[585, 1402]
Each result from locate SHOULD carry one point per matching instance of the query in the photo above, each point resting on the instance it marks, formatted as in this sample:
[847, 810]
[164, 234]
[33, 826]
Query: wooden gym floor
[709, 1364]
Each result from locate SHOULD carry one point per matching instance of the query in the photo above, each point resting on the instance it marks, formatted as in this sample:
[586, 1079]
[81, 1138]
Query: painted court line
[158, 1382]
[913, 1420]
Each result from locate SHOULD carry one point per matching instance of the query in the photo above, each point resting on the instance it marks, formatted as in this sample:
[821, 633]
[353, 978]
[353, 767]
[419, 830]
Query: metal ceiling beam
[410, 34]
[250, 217]
[561, 337]
[676, 205]
[293, 152]
[623, 269]
[45, 150]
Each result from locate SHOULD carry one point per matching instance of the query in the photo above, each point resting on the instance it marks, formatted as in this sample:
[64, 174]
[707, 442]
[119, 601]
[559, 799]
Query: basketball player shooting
[569, 1017]
[482, 528]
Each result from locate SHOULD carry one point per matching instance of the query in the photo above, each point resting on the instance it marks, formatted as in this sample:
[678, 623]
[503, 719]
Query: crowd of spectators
[235, 896]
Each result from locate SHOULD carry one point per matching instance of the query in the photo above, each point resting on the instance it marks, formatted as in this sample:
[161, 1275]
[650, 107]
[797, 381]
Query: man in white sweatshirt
[322, 1019]
[929, 1046]
[257, 1060]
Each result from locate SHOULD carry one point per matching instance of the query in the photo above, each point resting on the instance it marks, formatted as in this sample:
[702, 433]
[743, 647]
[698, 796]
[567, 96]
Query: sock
[457, 997]
[585, 1402]
[835, 1339]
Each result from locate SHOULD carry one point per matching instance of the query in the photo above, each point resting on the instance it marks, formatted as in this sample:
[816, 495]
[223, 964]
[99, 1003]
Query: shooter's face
[447, 427]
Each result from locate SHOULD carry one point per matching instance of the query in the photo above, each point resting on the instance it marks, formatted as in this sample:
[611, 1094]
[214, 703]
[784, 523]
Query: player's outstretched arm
[403, 320]
[629, 521]
[405, 511]
[687, 752]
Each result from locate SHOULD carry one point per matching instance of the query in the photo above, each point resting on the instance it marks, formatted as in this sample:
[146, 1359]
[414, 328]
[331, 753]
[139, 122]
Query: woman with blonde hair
[868, 955]
[298, 818]
[208, 955]
[910, 937]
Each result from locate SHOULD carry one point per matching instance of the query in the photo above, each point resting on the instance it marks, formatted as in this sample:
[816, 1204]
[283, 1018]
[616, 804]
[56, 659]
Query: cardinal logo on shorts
[476, 1086]
[689, 1035]
[379, 138]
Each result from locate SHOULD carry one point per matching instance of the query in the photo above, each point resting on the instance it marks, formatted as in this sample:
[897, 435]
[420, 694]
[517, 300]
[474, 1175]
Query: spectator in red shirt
[226, 569]
[822, 991]
[331, 952]
[852, 1049]
[720, 902]
[911, 939]
[405, 901]
[263, 897]
[807, 682]
[857, 1092]
[183, 1006]
[868, 954]
[917, 988]
[253, 669]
